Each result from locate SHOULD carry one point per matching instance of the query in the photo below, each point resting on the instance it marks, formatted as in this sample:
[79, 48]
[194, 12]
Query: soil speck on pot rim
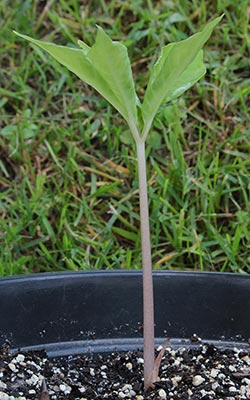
[201, 372]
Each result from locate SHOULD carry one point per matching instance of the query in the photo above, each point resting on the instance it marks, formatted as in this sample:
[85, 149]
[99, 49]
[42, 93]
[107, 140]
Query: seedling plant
[106, 67]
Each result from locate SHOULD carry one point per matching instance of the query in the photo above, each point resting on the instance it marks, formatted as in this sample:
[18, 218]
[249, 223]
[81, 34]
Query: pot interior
[69, 313]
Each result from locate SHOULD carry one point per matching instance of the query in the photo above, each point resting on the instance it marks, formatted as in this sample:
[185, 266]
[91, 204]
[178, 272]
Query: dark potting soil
[204, 372]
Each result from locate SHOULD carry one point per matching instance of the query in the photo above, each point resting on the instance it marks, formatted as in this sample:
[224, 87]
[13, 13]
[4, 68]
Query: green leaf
[179, 66]
[126, 234]
[105, 66]
[188, 78]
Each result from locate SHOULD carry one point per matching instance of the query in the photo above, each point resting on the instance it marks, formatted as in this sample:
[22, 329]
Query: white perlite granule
[197, 380]
[162, 394]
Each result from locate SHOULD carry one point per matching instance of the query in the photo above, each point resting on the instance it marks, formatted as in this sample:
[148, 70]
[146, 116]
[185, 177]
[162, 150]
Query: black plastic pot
[68, 313]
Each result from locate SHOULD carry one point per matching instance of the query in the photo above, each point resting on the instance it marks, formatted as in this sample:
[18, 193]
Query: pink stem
[148, 296]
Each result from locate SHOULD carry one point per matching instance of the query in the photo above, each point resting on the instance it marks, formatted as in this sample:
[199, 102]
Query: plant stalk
[148, 295]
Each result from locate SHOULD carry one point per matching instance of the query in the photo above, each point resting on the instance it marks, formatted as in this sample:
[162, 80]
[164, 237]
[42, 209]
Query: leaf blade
[179, 66]
[116, 68]
[87, 63]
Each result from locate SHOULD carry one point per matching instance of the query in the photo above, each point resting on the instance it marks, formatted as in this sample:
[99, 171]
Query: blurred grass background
[68, 174]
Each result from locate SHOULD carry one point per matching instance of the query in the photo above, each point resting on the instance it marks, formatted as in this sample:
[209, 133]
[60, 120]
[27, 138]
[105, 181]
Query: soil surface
[204, 372]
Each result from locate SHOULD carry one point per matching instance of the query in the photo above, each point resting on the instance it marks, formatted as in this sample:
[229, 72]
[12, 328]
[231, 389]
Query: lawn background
[68, 185]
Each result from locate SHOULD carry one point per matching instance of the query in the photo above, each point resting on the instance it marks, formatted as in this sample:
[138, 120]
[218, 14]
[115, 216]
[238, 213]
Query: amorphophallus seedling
[106, 67]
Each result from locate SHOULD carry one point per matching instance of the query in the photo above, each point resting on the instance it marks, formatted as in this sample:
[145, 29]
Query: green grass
[68, 185]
